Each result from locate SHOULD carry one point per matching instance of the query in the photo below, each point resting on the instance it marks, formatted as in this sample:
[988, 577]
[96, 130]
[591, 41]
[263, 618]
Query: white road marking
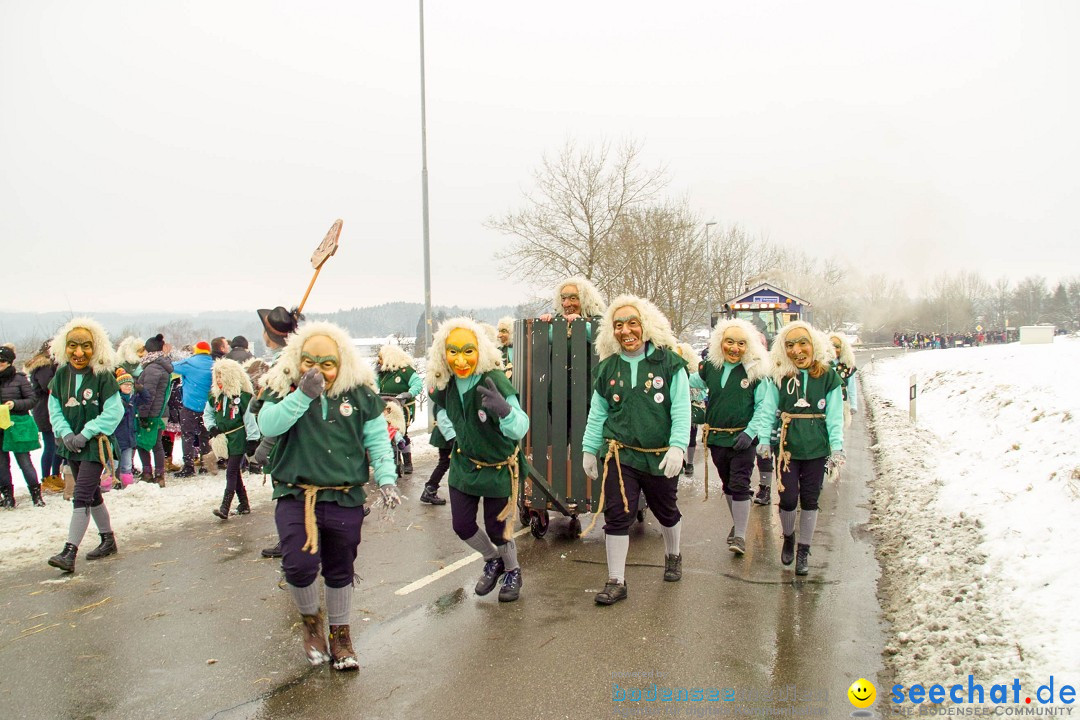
[428, 579]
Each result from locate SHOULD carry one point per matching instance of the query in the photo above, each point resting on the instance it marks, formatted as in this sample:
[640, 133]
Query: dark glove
[250, 447]
[213, 433]
[405, 398]
[262, 454]
[144, 423]
[742, 442]
[75, 442]
[492, 399]
[312, 383]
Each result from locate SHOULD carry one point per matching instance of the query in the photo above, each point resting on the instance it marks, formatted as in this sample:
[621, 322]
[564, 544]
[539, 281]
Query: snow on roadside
[972, 508]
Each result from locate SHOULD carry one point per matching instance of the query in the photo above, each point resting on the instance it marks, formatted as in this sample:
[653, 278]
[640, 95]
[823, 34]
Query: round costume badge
[658, 383]
[615, 397]
[345, 409]
[612, 382]
[744, 383]
[658, 397]
[397, 379]
[482, 415]
[821, 404]
[87, 394]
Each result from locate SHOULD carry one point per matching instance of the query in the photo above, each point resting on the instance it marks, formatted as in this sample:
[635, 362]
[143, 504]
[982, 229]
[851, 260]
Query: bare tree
[568, 221]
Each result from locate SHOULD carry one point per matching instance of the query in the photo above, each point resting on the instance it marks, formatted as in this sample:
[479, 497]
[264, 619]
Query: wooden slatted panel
[560, 399]
[540, 381]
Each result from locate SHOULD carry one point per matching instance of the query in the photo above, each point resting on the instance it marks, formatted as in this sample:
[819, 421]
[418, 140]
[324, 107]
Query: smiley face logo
[862, 693]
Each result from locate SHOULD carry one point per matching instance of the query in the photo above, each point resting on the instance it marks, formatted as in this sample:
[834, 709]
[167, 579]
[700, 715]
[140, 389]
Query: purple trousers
[339, 537]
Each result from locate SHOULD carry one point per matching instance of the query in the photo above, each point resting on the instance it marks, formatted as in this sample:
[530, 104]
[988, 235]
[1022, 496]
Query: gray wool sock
[306, 598]
[672, 535]
[787, 521]
[807, 523]
[765, 477]
[508, 552]
[483, 545]
[728, 500]
[740, 513]
[338, 604]
[80, 520]
[101, 518]
[617, 546]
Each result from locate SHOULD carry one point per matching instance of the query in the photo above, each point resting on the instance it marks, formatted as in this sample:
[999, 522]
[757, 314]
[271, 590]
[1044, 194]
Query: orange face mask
[462, 352]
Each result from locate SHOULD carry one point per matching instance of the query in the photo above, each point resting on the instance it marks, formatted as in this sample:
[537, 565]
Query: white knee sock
[306, 598]
[672, 535]
[617, 546]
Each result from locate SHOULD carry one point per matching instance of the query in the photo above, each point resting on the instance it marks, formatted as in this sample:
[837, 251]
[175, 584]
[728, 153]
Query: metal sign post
[912, 392]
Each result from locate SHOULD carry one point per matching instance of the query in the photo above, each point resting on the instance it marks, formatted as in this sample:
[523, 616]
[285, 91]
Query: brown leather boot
[315, 648]
[160, 480]
[341, 649]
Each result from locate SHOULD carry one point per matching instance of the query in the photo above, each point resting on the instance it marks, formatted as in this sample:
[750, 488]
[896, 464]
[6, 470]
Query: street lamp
[708, 272]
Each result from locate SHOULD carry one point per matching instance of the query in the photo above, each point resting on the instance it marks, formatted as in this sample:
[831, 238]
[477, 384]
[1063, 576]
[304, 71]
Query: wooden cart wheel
[574, 527]
[538, 524]
[523, 515]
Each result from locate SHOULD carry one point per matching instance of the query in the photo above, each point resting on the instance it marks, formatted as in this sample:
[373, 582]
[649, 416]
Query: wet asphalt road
[133, 636]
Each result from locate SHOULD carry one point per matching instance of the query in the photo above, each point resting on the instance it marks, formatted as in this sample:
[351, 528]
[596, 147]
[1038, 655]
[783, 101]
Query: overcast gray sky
[190, 156]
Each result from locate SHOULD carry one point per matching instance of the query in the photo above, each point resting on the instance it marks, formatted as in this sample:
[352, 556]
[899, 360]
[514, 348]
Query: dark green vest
[81, 407]
[639, 416]
[229, 415]
[730, 406]
[395, 383]
[478, 438]
[807, 438]
[437, 440]
[326, 451]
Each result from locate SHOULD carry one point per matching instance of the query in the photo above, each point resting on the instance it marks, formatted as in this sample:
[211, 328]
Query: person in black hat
[278, 324]
[239, 352]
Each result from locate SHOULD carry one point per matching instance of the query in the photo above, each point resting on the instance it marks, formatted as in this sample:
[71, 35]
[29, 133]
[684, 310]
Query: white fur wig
[782, 365]
[128, 350]
[845, 355]
[394, 359]
[492, 332]
[395, 416]
[438, 371]
[352, 371]
[104, 358]
[592, 302]
[687, 353]
[756, 358]
[506, 323]
[232, 377]
[655, 327]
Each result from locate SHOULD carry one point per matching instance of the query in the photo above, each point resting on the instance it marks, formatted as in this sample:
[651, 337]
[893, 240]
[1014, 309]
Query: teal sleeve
[765, 401]
[445, 426]
[208, 417]
[769, 404]
[834, 418]
[251, 424]
[380, 454]
[516, 424]
[276, 418]
[60, 425]
[593, 439]
[680, 411]
[853, 392]
[105, 423]
[416, 385]
[696, 383]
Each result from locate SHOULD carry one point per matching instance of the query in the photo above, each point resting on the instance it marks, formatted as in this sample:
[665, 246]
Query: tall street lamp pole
[424, 186]
[709, 271]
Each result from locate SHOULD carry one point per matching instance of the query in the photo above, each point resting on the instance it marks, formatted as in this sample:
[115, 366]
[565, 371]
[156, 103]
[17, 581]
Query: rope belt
[785, 455]
[705, 430]
[515, 472]
[310, 526]
[613, 452]
[104, 448]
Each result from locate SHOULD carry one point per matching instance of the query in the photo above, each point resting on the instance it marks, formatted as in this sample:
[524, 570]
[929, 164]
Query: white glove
[835, 462]
[588, 461]
[671, 465]
[389, 497]
[764, 450]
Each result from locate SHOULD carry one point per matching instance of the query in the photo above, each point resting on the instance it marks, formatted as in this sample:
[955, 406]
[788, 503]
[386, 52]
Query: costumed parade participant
[232, 429]
[278, 325]
[698, 396]
[18, 431]
[85, 408]
[810, 406]
[487, 462]
[505, 336]
[397, 376]
[156, 381]
[442, 439]
[320, 404]
[844, 364]
[576, 297]
[129, 353]
[739, 415]
[640, 416]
